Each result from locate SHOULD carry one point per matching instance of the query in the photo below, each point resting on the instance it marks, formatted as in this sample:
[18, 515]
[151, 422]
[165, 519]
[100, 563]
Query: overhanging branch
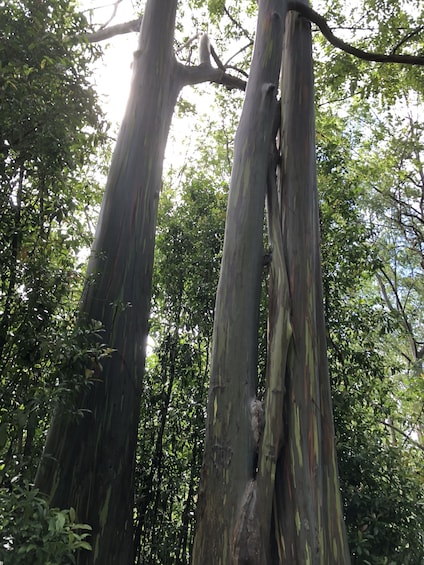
[207, 73]
[193, 75]
[118, 29]
[320, 21]
[305, 11]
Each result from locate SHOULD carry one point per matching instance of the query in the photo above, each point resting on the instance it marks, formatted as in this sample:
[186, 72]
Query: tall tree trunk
[226, 532]
[287, 507]
[89, 463]
[307, 519]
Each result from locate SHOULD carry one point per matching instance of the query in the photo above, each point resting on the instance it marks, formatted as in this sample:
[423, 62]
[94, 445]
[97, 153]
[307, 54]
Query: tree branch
[205, 73]
[237, 53]
[404, 434]
[407, 37]
[399, 308]
[217, 60]
[238, 24]
[310, 14]
[115, 9]
[118, 29]
[307, 12]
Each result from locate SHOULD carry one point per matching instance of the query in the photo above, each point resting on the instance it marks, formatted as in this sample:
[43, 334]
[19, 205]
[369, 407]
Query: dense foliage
[188, 251]
[381, 465]
[31, 532]
[51, 129]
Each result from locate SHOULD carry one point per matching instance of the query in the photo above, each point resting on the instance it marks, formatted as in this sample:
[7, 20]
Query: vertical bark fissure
[279, 339]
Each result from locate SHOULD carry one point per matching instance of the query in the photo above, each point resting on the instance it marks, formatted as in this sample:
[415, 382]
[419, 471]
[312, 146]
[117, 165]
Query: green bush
[31, 532]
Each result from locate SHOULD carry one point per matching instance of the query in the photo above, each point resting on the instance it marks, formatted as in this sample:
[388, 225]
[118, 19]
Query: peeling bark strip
[247, 543]
[226, 492]
[279, 342]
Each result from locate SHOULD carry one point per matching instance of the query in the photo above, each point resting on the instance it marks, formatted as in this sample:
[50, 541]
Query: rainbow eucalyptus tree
[269, 489]
[88, 461]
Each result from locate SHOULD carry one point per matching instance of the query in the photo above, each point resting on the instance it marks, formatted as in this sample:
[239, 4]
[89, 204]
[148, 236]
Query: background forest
[55, 146]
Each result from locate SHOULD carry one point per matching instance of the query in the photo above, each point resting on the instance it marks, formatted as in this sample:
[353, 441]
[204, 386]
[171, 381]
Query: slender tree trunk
[307, 518]
[184, 535]
[226, 532]
[89, 463]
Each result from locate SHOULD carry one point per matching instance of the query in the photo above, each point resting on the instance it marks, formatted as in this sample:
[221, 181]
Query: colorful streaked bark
[88, 462]
[288, 508]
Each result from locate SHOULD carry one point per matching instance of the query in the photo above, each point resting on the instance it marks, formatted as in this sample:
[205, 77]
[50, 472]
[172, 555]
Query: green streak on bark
[88, 463]
[229, 450]
[307, 508]
[104, 511]
[298, 437]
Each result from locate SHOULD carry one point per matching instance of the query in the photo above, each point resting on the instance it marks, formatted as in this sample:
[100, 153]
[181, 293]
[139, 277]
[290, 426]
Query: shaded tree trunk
[89, 463]
[307, 514]
[226, 527]
[287, 509]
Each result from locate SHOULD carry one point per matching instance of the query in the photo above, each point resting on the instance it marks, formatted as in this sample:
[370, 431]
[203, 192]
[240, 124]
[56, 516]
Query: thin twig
[407, 38]
[405, 435]
[238, 52]
[238, 24]
[115, 9]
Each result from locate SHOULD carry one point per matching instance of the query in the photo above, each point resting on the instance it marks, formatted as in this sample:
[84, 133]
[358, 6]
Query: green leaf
[60, 521]
[72, 514]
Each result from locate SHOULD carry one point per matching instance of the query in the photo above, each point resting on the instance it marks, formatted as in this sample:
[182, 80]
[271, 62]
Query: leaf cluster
[31, 532]
[381, 472]
[52, 131]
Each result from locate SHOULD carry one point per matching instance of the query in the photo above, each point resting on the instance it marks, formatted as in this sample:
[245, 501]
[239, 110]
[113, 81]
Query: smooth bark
[227, 531]
[307, 519]
[88, 462]
[288, 509]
